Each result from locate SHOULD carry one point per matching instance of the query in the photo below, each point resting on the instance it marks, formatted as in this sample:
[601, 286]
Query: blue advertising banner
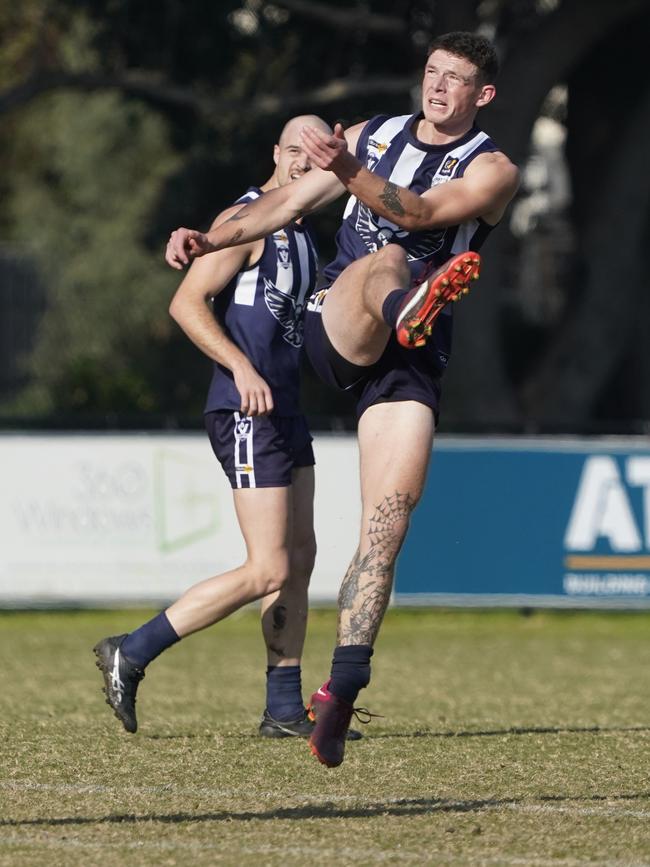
[531, 523]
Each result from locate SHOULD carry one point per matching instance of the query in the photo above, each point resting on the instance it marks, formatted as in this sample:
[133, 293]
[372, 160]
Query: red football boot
[332, 716]
[423, 303]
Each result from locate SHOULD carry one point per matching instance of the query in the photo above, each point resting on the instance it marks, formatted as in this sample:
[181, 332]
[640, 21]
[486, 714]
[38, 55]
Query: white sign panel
[139, 518]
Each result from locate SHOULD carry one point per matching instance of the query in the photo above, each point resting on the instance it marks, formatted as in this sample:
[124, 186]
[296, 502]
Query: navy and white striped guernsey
[389, 148]
[261, 310]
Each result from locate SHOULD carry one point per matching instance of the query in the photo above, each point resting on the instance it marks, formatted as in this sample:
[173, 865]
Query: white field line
[364, 854]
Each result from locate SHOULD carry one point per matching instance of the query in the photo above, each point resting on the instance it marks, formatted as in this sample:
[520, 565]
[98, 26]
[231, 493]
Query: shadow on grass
[516, 730]
[479, 733]
[399, 807]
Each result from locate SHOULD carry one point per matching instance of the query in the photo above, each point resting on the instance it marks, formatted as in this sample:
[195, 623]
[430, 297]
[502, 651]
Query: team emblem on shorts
[243, 427]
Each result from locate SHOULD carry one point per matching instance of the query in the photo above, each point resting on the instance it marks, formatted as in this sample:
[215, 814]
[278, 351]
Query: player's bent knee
[391, 255]
[270, 576]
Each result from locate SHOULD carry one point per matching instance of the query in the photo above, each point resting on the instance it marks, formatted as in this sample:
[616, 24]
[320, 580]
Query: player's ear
[276, 153]
[487, 94]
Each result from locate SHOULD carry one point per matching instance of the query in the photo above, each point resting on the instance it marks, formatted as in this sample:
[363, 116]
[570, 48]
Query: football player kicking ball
[426, 190]
[243, 307]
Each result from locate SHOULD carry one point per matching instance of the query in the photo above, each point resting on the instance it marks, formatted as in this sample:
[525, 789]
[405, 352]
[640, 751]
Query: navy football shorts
[259, 452]
[400, 374]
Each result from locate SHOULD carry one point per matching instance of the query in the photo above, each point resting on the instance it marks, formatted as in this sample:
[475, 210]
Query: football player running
[243, 307]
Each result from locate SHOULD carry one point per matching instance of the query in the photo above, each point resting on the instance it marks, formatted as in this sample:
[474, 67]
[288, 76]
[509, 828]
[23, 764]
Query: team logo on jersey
[448, 167]
[282, 249]
[376, 232]
[379, 146]
[283, 307]
[316, 301]
[376, 150]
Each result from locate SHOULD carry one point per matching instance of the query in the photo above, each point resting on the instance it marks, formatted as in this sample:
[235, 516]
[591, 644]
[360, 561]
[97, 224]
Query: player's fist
[328, 152]
[185, 245]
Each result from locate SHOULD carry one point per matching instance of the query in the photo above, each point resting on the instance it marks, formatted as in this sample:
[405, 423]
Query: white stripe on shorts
[244, 468]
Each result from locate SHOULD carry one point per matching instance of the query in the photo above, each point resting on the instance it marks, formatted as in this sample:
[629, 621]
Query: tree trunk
[477, 386]
[593, 342]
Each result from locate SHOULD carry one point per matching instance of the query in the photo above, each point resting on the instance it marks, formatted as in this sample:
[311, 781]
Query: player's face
[451, 90]
[290, 159]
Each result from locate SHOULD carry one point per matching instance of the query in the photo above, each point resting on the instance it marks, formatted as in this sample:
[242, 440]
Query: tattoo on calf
[279, 618]
[366, 588]
[390, 198]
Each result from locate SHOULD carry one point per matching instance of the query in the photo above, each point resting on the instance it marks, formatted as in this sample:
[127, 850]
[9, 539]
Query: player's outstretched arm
[191, 307]
[267, 214]
[489, 184]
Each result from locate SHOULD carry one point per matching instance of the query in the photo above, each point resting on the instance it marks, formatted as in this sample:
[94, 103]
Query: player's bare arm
[272, 211]
[489, 184]
[191, 308]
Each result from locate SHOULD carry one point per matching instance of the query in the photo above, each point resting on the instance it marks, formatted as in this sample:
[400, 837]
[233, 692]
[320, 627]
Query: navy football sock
[391, 306]
[146, 643]
[284, 692]
[350, 671]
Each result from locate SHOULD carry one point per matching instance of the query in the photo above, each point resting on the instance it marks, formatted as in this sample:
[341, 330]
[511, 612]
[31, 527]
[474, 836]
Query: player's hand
[256, 397]
[185, 245]
[325, 151]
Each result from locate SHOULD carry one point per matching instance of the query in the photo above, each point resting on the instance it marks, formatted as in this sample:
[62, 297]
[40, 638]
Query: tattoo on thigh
[390, 198]
[366, 588]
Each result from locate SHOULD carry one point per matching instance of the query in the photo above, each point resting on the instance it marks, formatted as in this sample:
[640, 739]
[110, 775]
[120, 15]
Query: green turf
[505, 740]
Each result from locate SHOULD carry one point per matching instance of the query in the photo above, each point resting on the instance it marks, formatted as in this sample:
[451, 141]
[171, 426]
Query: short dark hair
[476, 49]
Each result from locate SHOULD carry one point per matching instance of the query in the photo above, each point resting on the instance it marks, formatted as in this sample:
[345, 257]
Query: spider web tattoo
[365, 590]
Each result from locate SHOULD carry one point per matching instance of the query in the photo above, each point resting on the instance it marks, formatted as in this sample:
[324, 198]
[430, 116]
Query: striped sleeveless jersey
[388, 147]
[261, 310]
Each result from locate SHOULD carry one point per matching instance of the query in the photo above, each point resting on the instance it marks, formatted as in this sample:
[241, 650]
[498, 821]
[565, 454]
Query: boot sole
[421, 311]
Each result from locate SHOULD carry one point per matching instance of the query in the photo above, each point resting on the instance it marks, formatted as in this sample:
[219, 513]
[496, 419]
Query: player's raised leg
[395, 442]
[352, 311]
[374, 295]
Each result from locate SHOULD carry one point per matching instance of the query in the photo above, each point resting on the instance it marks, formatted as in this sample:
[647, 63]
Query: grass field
[505, 740]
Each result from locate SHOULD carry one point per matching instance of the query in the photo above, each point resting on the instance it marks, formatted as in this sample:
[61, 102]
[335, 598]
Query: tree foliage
[122, 122]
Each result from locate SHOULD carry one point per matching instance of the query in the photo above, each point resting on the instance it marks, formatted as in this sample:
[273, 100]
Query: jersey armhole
[256, 261]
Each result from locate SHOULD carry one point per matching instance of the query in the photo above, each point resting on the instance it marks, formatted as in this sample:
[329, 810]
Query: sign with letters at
[531, 522]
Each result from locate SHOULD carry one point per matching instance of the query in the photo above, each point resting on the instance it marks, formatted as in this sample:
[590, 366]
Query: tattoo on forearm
[236, 236]
[366, 588]
[390, 198]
